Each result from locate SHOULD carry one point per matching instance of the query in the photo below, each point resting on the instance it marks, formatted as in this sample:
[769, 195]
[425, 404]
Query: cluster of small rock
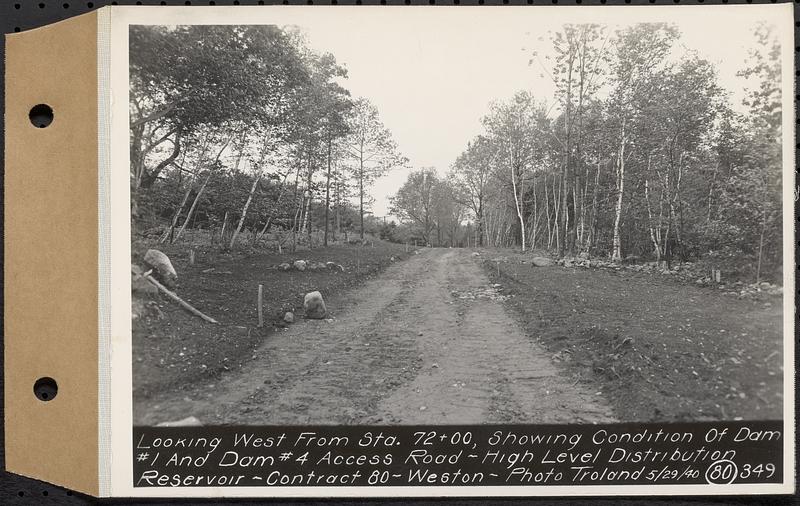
[686, 271]
[305, 265]
[753, 290]
[492, 293]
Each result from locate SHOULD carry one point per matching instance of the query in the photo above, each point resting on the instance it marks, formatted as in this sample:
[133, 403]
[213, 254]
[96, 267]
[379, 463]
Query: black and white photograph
[478, 218]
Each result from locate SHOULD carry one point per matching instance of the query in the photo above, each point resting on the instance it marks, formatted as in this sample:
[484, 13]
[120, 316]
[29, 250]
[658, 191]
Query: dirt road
[427, 342]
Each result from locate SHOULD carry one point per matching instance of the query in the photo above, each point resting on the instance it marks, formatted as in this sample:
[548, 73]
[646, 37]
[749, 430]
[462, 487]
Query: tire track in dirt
[402, 349]
[478, 366]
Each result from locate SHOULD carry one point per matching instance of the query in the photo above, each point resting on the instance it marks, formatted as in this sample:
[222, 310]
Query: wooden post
[191, 257]
[260, 305]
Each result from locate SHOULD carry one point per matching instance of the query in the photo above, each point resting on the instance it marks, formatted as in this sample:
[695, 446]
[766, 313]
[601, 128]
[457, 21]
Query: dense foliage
[244, 131]
[640, 154]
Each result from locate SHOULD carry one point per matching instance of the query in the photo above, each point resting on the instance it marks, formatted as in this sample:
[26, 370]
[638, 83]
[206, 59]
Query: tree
[448, 211]
[580, 58]
[473, 170]
[640, 50]
[189, 76]
[332, 106]
[517, 128]
[745, 226]
[372, 148]
[415, 201]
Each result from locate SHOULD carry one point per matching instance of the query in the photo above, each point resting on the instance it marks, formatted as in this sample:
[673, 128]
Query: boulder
[162, 268]
[288, 317]
[284, 266]
[314, 306]
[300, 265]
[334, 266]
[542, 261]
[190, 421]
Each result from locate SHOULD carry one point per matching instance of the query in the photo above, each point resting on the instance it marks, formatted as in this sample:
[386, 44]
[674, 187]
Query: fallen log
[177, 299]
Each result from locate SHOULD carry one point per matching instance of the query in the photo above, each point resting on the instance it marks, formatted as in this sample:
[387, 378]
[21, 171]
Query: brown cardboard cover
[51, 271]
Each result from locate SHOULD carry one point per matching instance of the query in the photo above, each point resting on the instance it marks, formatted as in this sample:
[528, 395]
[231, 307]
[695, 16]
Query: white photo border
[116, 346]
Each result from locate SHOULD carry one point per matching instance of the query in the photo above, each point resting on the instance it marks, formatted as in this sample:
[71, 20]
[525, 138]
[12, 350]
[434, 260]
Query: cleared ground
[440, 338]
[656, 347]
[427, 342]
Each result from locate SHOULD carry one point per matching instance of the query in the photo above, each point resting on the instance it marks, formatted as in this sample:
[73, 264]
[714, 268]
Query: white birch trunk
[244, 211]
[194, 206]
[517, 203]
[616, 255]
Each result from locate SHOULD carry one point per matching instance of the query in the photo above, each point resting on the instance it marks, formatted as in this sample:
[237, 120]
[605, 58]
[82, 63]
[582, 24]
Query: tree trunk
[271, 216]
[517, 202]
[224, 226]
[480, 221]
[650, 226]
[338, 229]
[761, 243]
[327, 195]
[593, 222]
[169, 232]
[194, 206]
[557, 203]
[616, 254]
[361, 192]
[547, 214]
[244, 211]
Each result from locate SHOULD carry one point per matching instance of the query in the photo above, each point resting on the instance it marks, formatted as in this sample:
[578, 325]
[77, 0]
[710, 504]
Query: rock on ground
[163, 270]
[288, 317]
[334, 266]
[284, 266]
[314, 306]
[300, 265]
[190, 421]
[541, 261]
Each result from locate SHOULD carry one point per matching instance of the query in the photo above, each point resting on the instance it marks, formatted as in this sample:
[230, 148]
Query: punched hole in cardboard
[41, 115]
[45, 389]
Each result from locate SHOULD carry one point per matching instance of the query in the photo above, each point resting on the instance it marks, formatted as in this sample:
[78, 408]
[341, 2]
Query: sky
[433, 76]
